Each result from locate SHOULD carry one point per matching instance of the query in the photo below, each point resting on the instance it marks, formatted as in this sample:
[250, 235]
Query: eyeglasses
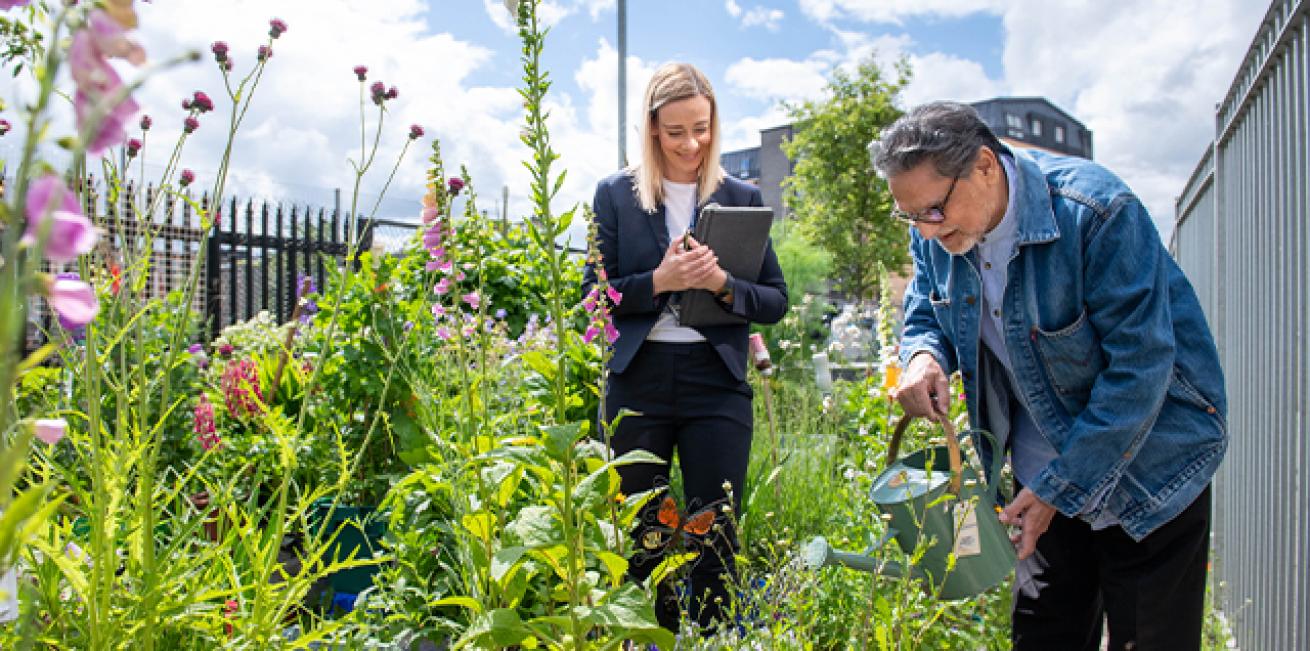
[934, 215]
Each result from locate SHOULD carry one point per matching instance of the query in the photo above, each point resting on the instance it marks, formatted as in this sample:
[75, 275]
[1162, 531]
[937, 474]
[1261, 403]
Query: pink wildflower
[590, 334]
[49, 430]
[133, 147]
[361, 72]
[443, 333]
[146, 122]
[73, 300]
[241, 391]
[265, 52]
[454, 185]
[277, 27]
[220, 50]
[204, 424]
[415, 132]
[98, 84]
[472, 299]
[10, 4]
[70, 233]
[190, 124]
[442, 286]
[187, 177]
[614, 295]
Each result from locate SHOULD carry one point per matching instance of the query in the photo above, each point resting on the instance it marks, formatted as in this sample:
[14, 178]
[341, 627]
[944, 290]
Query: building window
[1059, 134]
[1037, 127]
[1013, 121]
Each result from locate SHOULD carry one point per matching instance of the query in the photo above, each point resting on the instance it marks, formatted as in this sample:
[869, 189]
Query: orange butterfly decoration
[696, 524]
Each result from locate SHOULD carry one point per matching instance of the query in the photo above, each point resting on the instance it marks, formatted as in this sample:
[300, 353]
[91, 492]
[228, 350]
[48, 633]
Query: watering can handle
[952, 445]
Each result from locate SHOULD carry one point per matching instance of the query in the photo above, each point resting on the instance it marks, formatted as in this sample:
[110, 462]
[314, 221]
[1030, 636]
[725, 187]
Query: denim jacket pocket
[1182, 390]
[1073, 359]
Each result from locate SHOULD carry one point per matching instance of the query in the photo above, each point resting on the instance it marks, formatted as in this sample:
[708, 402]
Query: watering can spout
[819, 554]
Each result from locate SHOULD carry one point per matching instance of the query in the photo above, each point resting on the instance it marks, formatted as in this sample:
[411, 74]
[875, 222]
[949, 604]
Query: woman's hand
[697, 268]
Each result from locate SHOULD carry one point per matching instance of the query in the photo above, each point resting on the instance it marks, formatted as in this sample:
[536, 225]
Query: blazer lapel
[659, 229]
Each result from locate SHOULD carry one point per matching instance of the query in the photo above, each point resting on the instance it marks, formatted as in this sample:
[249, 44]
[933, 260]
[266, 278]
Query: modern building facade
[1035, 122]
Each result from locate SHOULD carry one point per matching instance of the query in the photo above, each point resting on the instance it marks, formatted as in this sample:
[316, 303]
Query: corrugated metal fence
[1241, 236]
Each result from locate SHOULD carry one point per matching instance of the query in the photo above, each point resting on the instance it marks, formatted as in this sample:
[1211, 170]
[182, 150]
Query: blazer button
[969, 300]
[1210, 410]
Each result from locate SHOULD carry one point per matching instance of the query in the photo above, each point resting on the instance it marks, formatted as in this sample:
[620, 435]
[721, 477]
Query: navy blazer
[632, 243]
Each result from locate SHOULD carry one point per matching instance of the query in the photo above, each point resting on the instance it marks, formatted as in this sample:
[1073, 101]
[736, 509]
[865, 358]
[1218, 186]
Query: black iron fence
[255, 256]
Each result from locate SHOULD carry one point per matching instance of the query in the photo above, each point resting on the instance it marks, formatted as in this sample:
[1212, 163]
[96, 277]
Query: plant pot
[359, 531]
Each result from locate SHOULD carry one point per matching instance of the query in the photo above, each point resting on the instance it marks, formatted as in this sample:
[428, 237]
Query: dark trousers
[690, 402]
[1150, 594]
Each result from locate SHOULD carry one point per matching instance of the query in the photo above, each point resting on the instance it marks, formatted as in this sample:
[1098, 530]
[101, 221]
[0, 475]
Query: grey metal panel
[1242, 237]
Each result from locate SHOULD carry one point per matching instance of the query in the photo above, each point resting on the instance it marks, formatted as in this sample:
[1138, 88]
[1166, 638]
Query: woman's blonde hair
[670, 83]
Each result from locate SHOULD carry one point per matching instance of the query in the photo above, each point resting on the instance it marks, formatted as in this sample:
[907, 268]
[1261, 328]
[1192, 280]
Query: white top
[679, 206]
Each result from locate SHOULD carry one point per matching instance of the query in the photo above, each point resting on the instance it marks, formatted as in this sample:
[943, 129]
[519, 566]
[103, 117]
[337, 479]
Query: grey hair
[946, 134]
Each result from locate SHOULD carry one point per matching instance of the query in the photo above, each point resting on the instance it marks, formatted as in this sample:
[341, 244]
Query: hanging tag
[967, 542]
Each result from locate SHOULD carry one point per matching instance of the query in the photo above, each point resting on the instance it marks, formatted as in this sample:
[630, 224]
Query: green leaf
[481, 524]
[505, 561]
[536, 527]
[559, 439]
[501, 627]
[616, 565]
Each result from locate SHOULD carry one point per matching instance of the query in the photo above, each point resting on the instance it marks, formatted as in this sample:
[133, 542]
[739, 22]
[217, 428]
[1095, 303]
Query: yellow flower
[619, 498]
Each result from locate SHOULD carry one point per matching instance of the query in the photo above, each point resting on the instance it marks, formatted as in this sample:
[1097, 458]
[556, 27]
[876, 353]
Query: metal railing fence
[1241, 237]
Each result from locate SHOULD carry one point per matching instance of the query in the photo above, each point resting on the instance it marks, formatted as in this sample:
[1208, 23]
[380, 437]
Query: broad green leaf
[536, 526]
[559, 439]
[616, 565]
[481, 524]
[505, 561]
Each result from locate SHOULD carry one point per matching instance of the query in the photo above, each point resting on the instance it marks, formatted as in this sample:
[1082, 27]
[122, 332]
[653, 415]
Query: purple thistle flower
[146, 122]
[220, 49]
[190, 124]
[264, 53]
[133, 147]
[361, 72]
[187, 177]
[201, 102]
[454, 185]
[379, 92]
[415, 132]
[392, 93]
[5, 127]
[276, 27]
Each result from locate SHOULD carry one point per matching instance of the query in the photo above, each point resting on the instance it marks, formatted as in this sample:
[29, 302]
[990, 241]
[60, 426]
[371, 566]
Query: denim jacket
[1110, 349]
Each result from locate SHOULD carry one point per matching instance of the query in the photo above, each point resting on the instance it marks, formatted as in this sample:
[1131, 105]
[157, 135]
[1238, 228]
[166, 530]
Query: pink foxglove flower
[71, 233]
[50, 430]
[472, 299]
[10, 4]
[98, 85]
[73, 301]
[442, 286]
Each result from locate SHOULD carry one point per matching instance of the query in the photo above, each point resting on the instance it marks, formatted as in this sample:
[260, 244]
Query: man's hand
[1032, 516]
[924, 390]
[697, 268]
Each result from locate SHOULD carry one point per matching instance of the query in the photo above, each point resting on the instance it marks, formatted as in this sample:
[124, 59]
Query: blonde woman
[689, 384]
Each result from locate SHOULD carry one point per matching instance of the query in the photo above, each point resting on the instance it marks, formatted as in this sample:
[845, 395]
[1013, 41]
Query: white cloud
[893, 11]
[757, 16]
[770, 19]
[1143, 75]
[778, 79]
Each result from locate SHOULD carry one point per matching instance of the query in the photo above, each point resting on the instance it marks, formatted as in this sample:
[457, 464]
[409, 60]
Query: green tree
[840, 203]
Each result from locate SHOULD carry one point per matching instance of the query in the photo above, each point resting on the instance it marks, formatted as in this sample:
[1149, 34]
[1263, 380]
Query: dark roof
[1041, 100]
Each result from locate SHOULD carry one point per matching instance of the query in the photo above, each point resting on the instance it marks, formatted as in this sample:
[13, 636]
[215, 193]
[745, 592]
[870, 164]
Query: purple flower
[614, 295]
[454, 185]
[442, 286]
[49, 430]
[70, 232]
[361, 72]
[305, 285]
[195, 348]
[220, 49]
[438, 311]
[443, 333]
[146, 122]
[472, 299]
[409, 325]
[392, 93]
[133, 147]
[5, 127]
[500, 313]
[590, 334]
[276, 27]
[10, 4]
[187, 177]
[415, 132]
[190, 124]
[430, 214]
[200, 102]
[379, 92]
[611, 333]
[225, 350]
[264, 53]
[73, 301]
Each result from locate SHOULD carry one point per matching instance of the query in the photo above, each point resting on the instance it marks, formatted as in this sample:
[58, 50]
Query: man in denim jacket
[1082, 347]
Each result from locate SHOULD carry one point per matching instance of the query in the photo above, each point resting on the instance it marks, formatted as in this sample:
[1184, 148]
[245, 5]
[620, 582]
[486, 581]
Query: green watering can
[912, 494]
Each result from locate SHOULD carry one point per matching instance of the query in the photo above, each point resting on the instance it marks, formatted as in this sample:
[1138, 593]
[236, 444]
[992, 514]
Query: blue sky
[1144, 75]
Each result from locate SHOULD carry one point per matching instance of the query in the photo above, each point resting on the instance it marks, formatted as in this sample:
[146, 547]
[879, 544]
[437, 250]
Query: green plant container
[361, 531]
